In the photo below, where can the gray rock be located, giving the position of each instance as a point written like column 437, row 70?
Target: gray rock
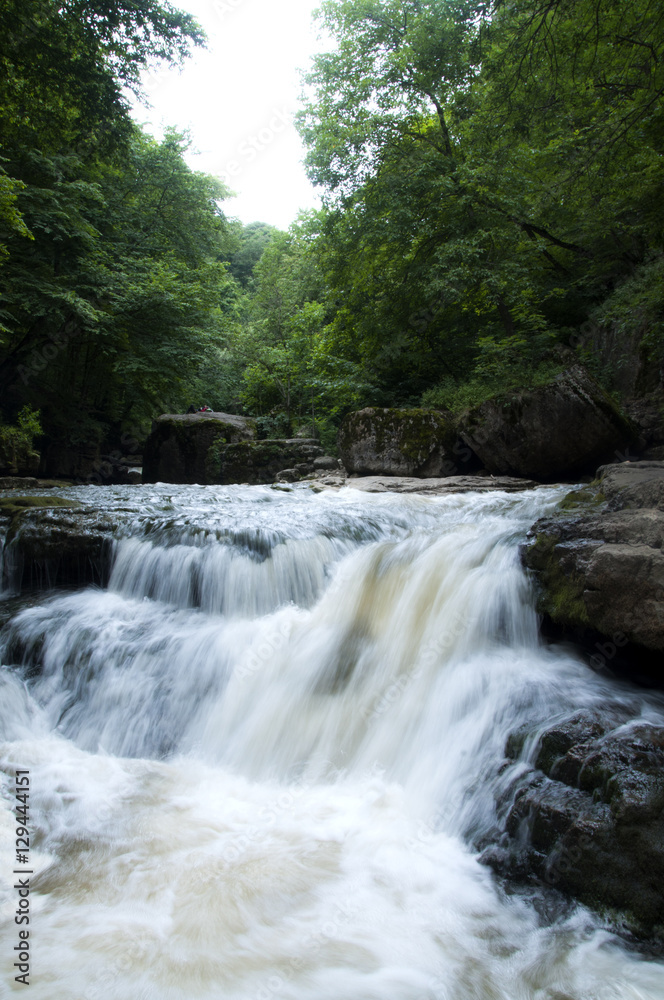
column 324, row 462
column 554, row 431
column 400, row 443
column 600, row 560
column 438, row 487
column 589, row 819
column 288, row 476
column 633, row 485
column 18, row 482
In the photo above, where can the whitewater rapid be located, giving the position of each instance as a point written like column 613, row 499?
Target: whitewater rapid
column 260, row 758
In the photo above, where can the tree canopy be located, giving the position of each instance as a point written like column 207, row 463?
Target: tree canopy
column 492, row 180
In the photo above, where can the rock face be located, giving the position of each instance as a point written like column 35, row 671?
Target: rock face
column 600, row 563
column 421, row 443
column 220, row 448
column 257, row 462
column 177, row 450
column 52, row 541
column 588, row 816
column 553, row 431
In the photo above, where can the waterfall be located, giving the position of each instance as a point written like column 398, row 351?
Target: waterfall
column 262, row 758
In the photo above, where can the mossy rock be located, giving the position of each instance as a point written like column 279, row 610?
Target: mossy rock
column 582, row 499
column 54, row 542
column 257, row 462
column 395, row 442
column 562, row 586
column 16, row 505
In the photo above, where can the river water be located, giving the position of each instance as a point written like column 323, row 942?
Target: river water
column 259, row 759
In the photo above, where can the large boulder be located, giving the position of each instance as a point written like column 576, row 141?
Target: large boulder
column 177, row 450
column 51, row 541
column 421, row 443
column 554, row 431
column 599, row 561
column 587, row 816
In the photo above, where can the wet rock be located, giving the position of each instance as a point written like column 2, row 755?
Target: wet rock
column 600, row 560
column 30, row 483
column 54, row 542
column 588, row 818
column 181, row 447
column 422, row 443
column 554, row 431
column 18, row 482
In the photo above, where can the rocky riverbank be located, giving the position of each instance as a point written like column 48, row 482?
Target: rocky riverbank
column 585, row 816
column 586, row 812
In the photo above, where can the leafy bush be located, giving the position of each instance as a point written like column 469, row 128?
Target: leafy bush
column 16, row 441
column 501, row 366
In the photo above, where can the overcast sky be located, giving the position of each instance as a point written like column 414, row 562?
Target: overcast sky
column 238, row 97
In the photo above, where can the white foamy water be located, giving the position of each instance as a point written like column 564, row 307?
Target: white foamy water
column 259, row 761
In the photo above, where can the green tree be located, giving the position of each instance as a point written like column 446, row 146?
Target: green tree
column 474, row 160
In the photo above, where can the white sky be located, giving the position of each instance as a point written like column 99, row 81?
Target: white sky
column 237, row 99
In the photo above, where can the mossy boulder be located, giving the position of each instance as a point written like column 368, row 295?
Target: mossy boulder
column 559, row 430
column 178, row 447
column 260, row 462
column 421, row 443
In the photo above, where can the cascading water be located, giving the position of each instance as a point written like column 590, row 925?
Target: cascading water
column 259, row 760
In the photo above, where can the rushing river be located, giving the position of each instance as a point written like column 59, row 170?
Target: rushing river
column 260, row 758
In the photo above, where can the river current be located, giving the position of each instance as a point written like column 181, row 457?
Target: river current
column 260, row 758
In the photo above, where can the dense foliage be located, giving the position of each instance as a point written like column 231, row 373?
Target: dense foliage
column 493, row 195
column 112, row 271
column 494, row 180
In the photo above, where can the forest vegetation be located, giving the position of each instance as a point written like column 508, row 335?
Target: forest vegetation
column 493, row 195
